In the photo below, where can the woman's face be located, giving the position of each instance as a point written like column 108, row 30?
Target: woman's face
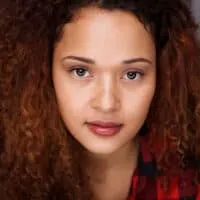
column 104, row 74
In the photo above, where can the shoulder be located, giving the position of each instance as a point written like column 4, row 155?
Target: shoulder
column 147, row 183
column 198, row 192
column 151, row 188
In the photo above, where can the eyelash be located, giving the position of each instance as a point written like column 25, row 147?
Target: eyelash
column 137, row 72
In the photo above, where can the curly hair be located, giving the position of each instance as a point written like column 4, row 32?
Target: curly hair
column 39, row 159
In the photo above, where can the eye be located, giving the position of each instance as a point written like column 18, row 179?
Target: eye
column 80, row 72
column 133, row 75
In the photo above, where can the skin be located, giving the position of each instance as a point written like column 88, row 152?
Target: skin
column 105, row 90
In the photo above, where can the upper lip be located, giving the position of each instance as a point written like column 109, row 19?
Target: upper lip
column 106, row 124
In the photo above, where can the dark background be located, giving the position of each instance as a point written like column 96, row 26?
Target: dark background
column 195, row 6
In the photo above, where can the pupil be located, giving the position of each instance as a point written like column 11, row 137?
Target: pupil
column 131, row 75
column 81, row 72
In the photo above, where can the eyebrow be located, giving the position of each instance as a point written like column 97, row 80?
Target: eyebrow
column 90, row 61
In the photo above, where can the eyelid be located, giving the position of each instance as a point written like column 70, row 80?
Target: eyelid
column 76, row 66
column 134, row 70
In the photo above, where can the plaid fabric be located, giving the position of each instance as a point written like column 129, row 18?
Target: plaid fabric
column 146, row 183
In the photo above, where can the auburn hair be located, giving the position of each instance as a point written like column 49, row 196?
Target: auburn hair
column 39, row 159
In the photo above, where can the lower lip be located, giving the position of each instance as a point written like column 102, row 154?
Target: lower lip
column 104, row 131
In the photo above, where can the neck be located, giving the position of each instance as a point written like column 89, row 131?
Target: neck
column 105, row 165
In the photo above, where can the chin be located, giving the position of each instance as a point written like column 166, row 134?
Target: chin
column 101, row 150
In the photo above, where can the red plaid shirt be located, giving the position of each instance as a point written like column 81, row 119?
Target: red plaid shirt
column 146, row 184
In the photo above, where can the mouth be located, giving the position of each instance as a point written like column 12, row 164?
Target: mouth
column 103, row 128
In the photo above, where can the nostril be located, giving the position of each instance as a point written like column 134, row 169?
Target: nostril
column 106, row 102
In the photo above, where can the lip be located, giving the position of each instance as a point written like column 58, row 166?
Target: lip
column 103, row 128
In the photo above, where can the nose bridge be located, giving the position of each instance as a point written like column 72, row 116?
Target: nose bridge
column 107, row 86
column 107, row 97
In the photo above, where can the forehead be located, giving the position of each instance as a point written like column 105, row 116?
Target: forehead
column 104, row 35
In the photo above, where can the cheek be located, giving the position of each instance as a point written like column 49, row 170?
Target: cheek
column 137, row 103
column 71, row 100
column 136, row 109
column 70, row 107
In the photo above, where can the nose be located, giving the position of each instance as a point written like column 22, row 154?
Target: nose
column 106, row 97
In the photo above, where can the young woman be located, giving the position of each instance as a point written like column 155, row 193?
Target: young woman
column 99, row 100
